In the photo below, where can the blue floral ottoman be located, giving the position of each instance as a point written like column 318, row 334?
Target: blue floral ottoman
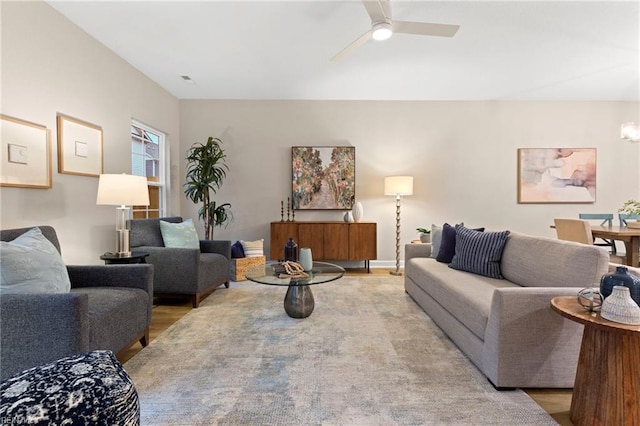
column 85, row 389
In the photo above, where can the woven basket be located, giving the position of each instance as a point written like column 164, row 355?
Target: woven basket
column 240, row 266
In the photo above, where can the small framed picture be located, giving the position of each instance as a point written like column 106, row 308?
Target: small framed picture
column 79, row 147
column 25, row 156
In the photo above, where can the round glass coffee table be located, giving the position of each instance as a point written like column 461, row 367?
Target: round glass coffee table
column 298, row 302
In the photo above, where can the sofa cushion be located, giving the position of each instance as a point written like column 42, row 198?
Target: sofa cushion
column 447, row 244
column 146, row 232
column 465, row 296
column 479, row 252
column 32, row 264
column 533, row 262
column 253, row 248
column 436, row 238
column 180, row 235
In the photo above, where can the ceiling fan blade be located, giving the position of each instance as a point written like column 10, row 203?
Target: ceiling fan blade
column 375, row 9
column 352, row 47
column 425, row 28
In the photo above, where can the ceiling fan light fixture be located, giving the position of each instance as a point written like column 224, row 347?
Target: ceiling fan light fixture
column 381, row 31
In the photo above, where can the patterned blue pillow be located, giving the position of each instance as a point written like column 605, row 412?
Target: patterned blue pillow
column 32, row 264
column 179, row 235
column 479, row 252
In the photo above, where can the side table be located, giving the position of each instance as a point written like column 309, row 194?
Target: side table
column 136, row 257
column 607, row 381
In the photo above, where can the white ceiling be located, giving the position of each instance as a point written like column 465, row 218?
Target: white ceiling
column 530, row 50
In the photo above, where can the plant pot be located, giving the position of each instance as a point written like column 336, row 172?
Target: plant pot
column 425, row 238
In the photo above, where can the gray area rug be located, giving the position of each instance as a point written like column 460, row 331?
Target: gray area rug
column 368, row 355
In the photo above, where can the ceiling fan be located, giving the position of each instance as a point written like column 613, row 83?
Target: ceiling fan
column 383, row 27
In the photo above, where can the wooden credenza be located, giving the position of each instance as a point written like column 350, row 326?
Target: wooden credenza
column 328, row 240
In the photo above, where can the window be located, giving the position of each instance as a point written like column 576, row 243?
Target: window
column 148, row 159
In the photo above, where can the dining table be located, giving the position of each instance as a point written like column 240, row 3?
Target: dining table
column 630, row 236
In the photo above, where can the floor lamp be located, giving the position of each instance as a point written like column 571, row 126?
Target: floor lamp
column 398, row 186
column 122, row 190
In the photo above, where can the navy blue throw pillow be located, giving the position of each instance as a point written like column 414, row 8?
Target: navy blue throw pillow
column 237, row 250
column 479, row 252
column 448, row 242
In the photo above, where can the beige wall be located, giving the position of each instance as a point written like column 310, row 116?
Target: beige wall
column 462, row 155
column 49, row 65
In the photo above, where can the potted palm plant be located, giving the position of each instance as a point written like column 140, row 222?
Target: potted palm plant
column 206, row 170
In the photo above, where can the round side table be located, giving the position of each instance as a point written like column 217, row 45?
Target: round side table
column 608, row 375
column 136, row 257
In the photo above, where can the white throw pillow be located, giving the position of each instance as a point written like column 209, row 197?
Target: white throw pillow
column 253, row 248
column 179, row 235
column 32, row 264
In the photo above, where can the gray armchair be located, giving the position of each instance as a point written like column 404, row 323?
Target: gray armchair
column 181, row 271
column 108, row 307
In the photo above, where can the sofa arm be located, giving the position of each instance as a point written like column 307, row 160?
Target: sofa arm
column 416, row 250
column 132, row 276
column 40, row 328
column 222, row 247
column 527, row 342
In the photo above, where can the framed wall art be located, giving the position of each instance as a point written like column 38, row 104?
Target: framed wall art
column 323, row 177
column 79, row 147
column 556, row 175
column 25, row 154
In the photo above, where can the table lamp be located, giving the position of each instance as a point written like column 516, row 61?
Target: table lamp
column 122, row 190
column 398, row 186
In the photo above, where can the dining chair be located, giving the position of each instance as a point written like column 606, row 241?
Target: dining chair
column 579, row 231
column 606, row 220
column 622, row 217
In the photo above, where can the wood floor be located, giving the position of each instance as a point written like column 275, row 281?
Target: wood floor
column 556, row 402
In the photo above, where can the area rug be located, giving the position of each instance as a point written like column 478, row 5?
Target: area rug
column 367, row 355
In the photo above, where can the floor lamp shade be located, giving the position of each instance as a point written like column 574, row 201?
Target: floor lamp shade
column 398, row 186
column 122, row 190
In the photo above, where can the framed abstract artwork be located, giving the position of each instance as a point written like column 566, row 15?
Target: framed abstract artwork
column 323, row 177
column 556, row 175
column 25, row 156
column 79, row 147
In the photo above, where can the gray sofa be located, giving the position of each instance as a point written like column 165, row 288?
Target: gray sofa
column 109, row 307
column 182, row 271
column 506, row 326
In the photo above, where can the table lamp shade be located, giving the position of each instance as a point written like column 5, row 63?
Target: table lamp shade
column 122, row 190
column 398, row 185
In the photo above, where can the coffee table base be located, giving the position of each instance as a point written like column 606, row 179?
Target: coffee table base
column 298, row 302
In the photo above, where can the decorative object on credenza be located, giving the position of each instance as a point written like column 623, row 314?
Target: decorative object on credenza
column 323, row 177
column 206, row 170
column 79, row 147
column 425, row 235
column 281, row 211
column 556, row 175
column 123, row 191
column 620, row 277
column 291, row 250
column 348, row 216
column 620, row 307
column 25, row 155
column 288, row 205
column 630, row 132
column 357, row 211
column 398, row 186
column 306, row 259
column 590, row 299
